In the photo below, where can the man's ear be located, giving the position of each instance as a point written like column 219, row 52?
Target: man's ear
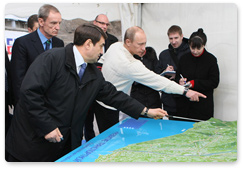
column 29, row 29
column 88, row 43
column 128, row 42
column 41, row 21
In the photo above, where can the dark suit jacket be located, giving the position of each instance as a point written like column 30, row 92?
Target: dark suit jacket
column 8, row 92
column 52, row 96
column 110, row 40
column 24, row 52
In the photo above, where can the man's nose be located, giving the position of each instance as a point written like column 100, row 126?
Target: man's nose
column 143, row 47
column 102, row 51
column 57, row 26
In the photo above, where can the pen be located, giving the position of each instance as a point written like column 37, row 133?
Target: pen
column 182, row 78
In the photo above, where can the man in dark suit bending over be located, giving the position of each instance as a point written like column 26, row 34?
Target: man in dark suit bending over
column 56, row 94
column 28, row 47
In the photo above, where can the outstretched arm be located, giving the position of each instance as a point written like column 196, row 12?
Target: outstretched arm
column 154, row 113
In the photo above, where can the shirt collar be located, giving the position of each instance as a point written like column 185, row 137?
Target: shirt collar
column 42, row 37
column 78, row 58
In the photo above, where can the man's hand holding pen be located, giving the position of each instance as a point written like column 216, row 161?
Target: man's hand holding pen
column 54, row 136
column 192, row 95
column 183, row 82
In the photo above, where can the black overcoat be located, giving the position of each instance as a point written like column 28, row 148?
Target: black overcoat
column 165, row 59
column 144, row 94
column 52, row 96
column 204, row 71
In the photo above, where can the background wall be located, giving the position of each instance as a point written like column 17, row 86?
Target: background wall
column 87, row 11
column 219, row 22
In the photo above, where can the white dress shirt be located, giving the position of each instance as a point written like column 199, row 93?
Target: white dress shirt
column 78, row 58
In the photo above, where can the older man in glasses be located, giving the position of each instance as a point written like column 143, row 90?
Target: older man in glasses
column 103, row 22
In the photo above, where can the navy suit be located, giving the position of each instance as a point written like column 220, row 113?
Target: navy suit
column 25, row 50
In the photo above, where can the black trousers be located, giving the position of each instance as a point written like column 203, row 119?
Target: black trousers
column 105, row 118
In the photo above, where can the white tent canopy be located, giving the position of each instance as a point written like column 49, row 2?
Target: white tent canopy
column 219, row 22
column 87, row 11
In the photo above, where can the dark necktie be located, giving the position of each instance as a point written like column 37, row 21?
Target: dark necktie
column 81, row 71
column 48, row 43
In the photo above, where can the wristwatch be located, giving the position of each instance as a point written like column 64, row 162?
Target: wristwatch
column 146, row 112
column 185, row 91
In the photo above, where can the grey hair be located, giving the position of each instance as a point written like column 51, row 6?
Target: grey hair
column 45, row 10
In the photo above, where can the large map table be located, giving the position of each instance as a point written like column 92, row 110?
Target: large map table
column 147, row 140
column 126, row 132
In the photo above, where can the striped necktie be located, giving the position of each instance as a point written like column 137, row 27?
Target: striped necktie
column 48, row 43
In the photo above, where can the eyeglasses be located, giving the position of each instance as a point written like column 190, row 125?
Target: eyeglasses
column 103, row 23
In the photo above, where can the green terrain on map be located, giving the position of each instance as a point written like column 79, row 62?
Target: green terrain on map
column 208, row 141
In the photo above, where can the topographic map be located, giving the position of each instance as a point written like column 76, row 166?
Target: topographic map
column 208, row 141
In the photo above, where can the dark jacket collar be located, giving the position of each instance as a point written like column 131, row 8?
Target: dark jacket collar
column 36, row 42
column 183, row 47
column 89, row 73
column 70, row 60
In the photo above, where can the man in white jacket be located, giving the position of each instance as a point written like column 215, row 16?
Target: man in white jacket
column 122, row 69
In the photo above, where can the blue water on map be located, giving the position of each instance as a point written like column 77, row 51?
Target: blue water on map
column 126, row 132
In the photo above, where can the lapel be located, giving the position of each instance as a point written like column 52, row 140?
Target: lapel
column 55, row 42
column 37, row 42
column 89, row 73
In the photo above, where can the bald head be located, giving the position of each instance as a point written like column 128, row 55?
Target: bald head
column 135, row 40
column 131, row 32
column 102, row 21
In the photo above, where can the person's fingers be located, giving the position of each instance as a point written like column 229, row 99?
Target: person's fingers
column 58, row 139
column 59, row 136
column 59, row 133
column 165, row 113
column 202, row 95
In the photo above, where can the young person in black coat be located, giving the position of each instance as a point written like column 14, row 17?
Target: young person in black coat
column 200, row 72
column 144, row 94
column 169, row 60
column 54, row 99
